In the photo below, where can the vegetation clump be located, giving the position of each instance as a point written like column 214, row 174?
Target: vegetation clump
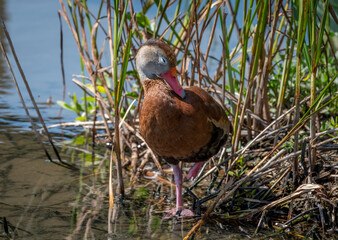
column 271, row 63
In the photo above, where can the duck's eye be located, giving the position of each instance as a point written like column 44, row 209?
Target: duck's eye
column 163, row 60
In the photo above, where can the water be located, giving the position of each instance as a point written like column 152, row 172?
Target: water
column 34, row 29
column 35, row 195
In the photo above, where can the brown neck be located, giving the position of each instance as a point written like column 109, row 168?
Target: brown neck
column 149, row 84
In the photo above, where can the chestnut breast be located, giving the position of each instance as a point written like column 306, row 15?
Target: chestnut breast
column 190, row 129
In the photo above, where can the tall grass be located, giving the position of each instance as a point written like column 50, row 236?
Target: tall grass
column 260, row 74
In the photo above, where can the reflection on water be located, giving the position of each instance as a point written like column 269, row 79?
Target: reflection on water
column 34, row 194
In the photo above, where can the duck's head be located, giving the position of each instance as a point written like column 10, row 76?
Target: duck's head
column 155, row 60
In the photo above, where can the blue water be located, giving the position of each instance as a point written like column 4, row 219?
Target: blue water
column 35, row 32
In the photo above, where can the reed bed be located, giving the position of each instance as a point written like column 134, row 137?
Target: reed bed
column 278, row 81
column 272, row 64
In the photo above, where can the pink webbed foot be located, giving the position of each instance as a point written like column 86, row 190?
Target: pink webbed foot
column 194, row 170
column 182, row 213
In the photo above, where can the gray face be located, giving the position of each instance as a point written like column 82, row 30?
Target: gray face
column 151, row 61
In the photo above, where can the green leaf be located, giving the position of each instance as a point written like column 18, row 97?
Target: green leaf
column 90, row 87
column 142, row 20
column 89, row 99
column 132, row 94
column 79, row 140
column 81, row 118
column 64, row 105
column 121, row 24
column 321, row 33
column 123, row 70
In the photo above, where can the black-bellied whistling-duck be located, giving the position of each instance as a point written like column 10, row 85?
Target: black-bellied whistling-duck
column 180, row 125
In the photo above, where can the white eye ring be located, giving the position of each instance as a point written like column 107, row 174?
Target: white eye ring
column 163, row 60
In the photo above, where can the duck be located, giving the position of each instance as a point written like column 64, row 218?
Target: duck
column 179, row 124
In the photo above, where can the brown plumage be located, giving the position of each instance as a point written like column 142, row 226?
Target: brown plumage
column 185, row 125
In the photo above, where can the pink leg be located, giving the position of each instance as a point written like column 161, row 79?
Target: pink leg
column 194, row 170
column 178, row 182
column 179, row 200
